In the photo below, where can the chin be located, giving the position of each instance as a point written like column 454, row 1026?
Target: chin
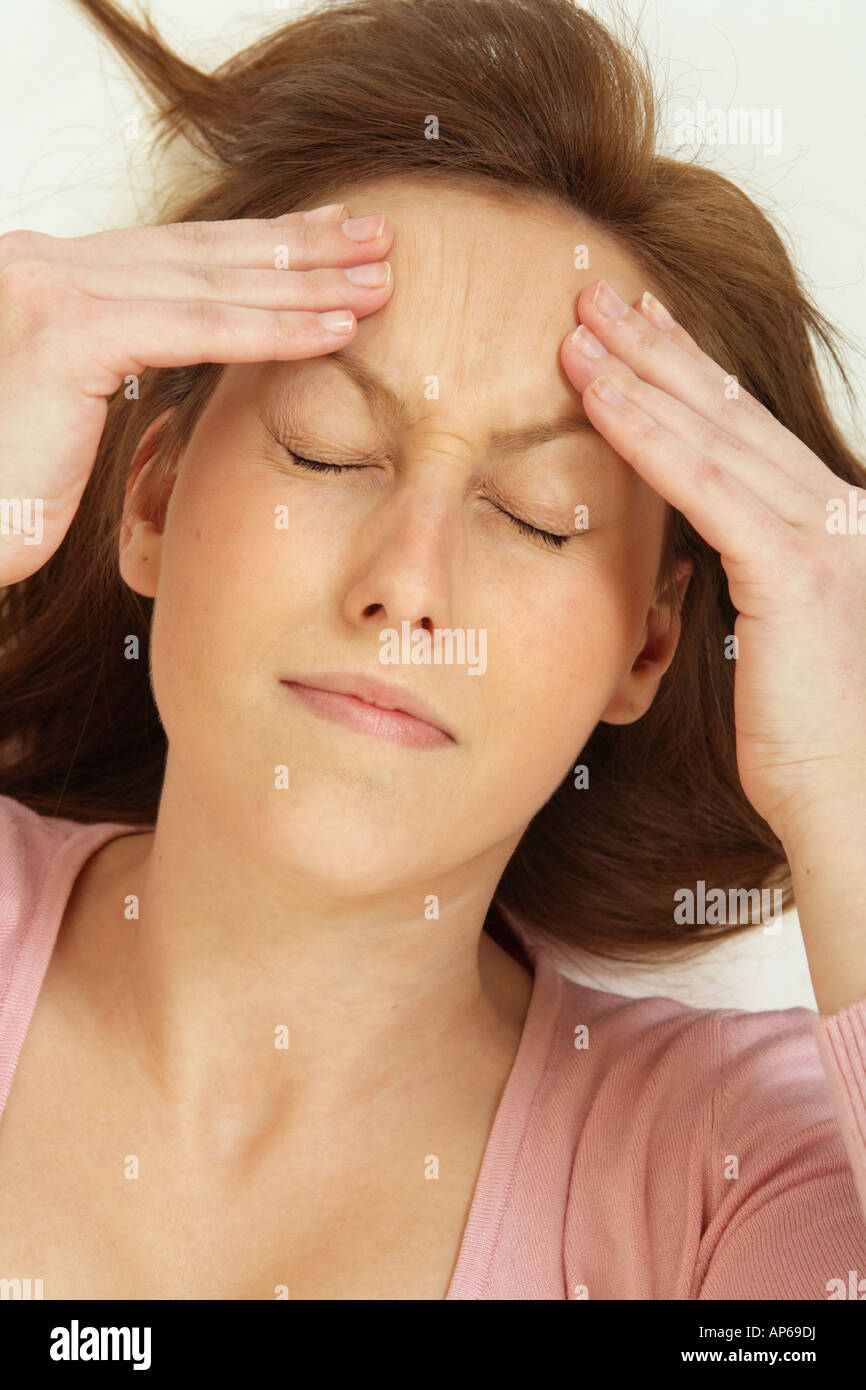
column 345, row 841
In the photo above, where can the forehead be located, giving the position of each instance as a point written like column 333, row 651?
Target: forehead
column 486, row 283
column 478, row 238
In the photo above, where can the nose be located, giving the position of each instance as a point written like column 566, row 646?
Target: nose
column 411, row 563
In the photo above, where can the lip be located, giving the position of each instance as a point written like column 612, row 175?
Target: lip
column 375, row 706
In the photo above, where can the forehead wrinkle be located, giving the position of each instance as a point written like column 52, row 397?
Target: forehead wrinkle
column 503, row 309
column 393, row 407
column 445, row 282
column 436, row 283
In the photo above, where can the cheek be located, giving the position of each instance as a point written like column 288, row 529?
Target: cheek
column 579, row 632
column 217, row 578
column 234, row 553
column 245, row 567
column 565, row 666
column 551, row 686
column 571, row 645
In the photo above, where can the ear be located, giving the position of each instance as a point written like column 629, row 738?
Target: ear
column 637, row 689
column 140, row 544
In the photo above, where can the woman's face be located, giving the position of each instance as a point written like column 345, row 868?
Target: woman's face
column 266, row 572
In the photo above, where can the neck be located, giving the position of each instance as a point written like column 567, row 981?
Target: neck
column 249, row 995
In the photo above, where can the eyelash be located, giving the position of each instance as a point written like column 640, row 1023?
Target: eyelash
column 548, row 538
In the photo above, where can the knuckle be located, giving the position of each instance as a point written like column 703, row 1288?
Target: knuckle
column 654, row 440
column 20, row 243
column 304, row 282
column 709, row 474
column 646, row 338
column 305, row 243
column 288, row 241
column 298, row 329
column 213, row 276
column 307, row 236
column 192, row 236
column 733, row 408
column 205, row 314
column 30, row 292
column 288, row 324
column 678, row 335
column 818, row 575
column 25, row 277
column 714, row 438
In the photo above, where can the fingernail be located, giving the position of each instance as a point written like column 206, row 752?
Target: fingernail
column 364, row 228
column 604, row 387
column 656, row 312
column 608, row 302
column 586, row 342
column 336, row 320
column 372, row 274
column 328, row 212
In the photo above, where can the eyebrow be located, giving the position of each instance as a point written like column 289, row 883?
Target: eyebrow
column 394, row 408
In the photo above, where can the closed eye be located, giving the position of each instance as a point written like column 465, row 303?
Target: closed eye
column 548, row 538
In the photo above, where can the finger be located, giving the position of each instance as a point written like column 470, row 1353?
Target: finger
column 261, row 289
column 775, row 488
column 672, row 362
column 254, row 243
column 131, row 336
column 721, row 507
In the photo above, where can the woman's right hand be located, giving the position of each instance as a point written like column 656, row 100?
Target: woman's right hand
column 80, row 314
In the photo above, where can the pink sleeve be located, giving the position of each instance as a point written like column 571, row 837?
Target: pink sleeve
column 787, row 1186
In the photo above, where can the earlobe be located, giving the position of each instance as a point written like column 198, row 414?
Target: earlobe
column 139, row 557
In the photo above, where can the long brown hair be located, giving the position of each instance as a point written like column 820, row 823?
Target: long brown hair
column 539, row 98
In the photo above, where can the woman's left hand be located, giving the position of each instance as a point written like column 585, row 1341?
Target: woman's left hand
column 760, row 497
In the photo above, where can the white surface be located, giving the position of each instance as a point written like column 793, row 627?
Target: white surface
column 69, row 168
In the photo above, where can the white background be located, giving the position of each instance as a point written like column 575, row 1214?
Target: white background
column 69, row 168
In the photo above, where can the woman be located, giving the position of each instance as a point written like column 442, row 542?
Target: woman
column 283, row 1014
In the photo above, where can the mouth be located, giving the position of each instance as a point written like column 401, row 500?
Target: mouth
column 371, row 707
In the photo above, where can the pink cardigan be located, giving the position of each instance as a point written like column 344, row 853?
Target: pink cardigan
column 683, row 1154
